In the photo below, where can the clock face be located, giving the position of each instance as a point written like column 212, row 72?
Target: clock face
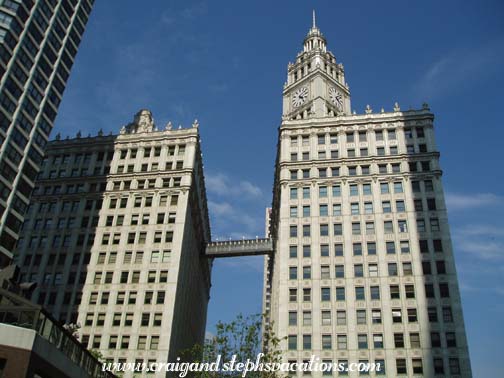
column 336, row 98
column 299, row 97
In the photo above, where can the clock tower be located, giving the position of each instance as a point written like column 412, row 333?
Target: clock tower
column 315, row 86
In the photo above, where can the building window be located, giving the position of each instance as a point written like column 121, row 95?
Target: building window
column 307, row 318
column 386, row 207
column 306, row 230
column 359, row 293
column 326, row 317
column 292, row 318
column 378, row 341
column 325, row 272
column 409, row 291
column 293, row 231
column 429, row 290
column 292, row 295
column 375, row 292
column 307, row 342
column 407, row 268
column 390, row 246
column 454, row 366
column 438, row 366
column 293, row 273
column 340, row 293
column 356, row 228
column 398, row 340
column 325, row 294
column 396, row 315
column 336, row 209
column 415, row 340
column 339, row 271
column 376, row 316
column 358, row 270
column 394, row 292
column 444, row 290
column 306, row 272
column 361, row 317
column 154, row 342
column 292, row 342
column 323, row 210
column 412, row 315
column 342, row 342
column 447, row 314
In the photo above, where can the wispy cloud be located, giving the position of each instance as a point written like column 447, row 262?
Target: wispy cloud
column 235, row 222
column 484, row 242
column 222, row 185
column 459, row 67
column 458, row 201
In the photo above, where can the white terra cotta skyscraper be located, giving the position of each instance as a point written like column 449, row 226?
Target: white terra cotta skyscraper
column 363, row 269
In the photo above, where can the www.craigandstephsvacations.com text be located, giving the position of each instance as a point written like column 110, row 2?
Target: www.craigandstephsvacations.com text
column 314, row 364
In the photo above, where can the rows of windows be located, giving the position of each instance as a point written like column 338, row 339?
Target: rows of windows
column 111, row 257
column 143, row 219
column 359, row 270
column 353, row 190
column 340, row 292
column 401, row 365
column 350, row 153
column 76, row 172
column 336, row 171
column 129, row 298
column 358, row 136
column 135, row 153
column 123, row 319
column 92, row 187
column 142, row 202
column 357, row 228
column 148, row 167
column 356, row 208
column 144, row 342
column 49, row 298
column 305, row 230
column 358, row 249
column 138, row 237
column 59, row 240
column 376, row 340
column 77, row 159
column 126, row 276
column 166, row 182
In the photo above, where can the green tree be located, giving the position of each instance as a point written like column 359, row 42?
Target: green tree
column 241, row 337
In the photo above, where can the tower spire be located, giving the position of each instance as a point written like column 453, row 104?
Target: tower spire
column 314, row 24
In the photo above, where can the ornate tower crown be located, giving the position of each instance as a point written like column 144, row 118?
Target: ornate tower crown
column 314, row 39
column 143, row 122
column 315, row 86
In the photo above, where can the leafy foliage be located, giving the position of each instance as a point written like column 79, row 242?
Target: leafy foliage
column 240, row 337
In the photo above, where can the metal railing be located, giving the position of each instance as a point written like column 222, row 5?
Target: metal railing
column 18, row 312
column 245, row 247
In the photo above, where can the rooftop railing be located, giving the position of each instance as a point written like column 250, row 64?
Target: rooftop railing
column 245, row 247
column 18, row 312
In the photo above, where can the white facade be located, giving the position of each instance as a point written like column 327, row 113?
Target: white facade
column 123, row 241
column 363, row 269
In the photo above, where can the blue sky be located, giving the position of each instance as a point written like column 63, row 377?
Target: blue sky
column 224, row 62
